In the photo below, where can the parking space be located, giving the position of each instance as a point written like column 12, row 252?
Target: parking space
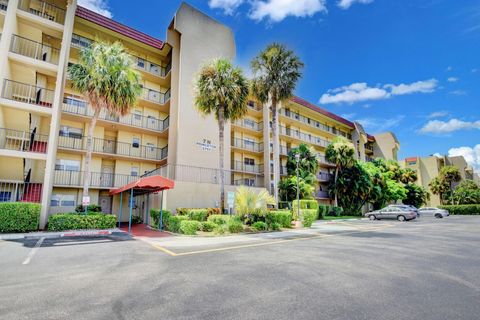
column 425, row 269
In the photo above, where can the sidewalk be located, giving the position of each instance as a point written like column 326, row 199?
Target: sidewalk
column 60, row 234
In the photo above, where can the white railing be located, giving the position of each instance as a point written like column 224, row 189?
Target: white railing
column 43, row 9
column 27, row 93
column 34, row 50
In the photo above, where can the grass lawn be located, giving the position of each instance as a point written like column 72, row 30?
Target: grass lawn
column 342, row 217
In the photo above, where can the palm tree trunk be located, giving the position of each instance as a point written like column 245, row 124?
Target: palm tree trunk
column 335, row 184
column 276, row 151
column 88, row 157
column 221, row 129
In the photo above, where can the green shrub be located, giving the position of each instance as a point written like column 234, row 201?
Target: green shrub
column 190, row 227
column 182, row 211
column 323, row 210
column 69, row 221
column 275, row 226
column 173, row 224
column 208, row 226
column 259, row 226
column 462, row 209
column 137, row 219
column 308, row 216
column 281, row 217
column 335, row 211
column 220, row 229
column 305, row 204
column 198, row 214
column 90, row 208
column 210, row 211
column 19, row 216
column 234, row 226
column 155, row 215
column 219, row 218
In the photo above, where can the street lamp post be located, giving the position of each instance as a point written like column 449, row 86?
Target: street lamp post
column 297, row 160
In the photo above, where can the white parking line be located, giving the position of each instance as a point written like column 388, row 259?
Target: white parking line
column 33, row 251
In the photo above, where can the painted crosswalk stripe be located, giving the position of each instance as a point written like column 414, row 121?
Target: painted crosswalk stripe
column 33, row 251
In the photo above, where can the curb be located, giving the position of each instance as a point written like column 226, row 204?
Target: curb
column 48, row 235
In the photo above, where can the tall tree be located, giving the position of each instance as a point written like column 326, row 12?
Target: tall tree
column 467, row 192
column 439, row 187
column 106, row 78
column 340, row 152
column 276, row 71
column 308, row 163
column 450, row 174
column 408, row 175
column 221, row 90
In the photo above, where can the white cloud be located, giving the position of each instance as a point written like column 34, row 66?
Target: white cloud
column 426, row 86
column 471, row 155
column 277, row 10
column 376, row 125
column 452, row 79
column 360, row 91
column 438, row 155
column 98, row 6
column 445, row 127
column 438, row 114
column 348, row 115
column 345, row 4
column 228, row 6
column 458, row 92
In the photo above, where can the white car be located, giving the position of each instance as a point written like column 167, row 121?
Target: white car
column 436, row 212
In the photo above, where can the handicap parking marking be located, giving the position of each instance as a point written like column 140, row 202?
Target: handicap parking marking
column 34, row 250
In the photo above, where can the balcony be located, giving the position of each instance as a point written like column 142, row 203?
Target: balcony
column 114, row 147
column 43, row 10
column 283, row 170
column 323, row 176
column 3, row 5
column 79, row 107
column 369, row 147
column 23, row 141
column 20, row 191
column 252, row 105
column 249, row 182
column 27, row 93
column 249, row 124
column 34, row 50
column 297, row 134
column 247, row 168
column 80, row 42
column 321, row 195
column 323, row 160
column 97, row 179
column 155, row 96
column 247, row 145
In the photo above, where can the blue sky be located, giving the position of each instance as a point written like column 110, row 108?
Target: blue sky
column 410, row 66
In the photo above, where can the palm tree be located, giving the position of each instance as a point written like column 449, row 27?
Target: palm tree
column 104, row 75
column 308, row 161
column 276, row 71
column 249, row 203
column 340, row 152
column 438, row 187
column 221, row 90
column 408, row 175
column 450, row 174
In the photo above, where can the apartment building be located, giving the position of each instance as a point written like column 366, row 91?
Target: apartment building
column 428, row 168
column 43, row 122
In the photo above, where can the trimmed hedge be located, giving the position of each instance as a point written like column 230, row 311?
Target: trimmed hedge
column 198, row 214
column 309, row 215
column 305, row 204
column 281, row 217
column 210, row 211
column 208, row 226
column 462, row 209
column 19, row 216
column 155, row 215
column 90, row 208
column 75, row 221
column 174, row 223
column 189, row 227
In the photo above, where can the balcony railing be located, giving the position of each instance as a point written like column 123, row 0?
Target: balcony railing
column 3, row 5
column 114, row 147
column 241, row 166
column 297, row 134
column 249, row 182
column 247, row 145
column 323, row 176
column 283, row 170
column 249, row 124
column 27, row 93
column 254, row 106
column 156, row 96
column 322, row 195
column 80, row 42
column 43, row 9
column 323, row 160
column 34, row 50
column 80, row 107
column 97, row 179
column 23, row 141
column 19, row 191
column 369, row 147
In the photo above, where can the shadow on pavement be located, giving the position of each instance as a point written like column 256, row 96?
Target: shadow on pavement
column 30, row 242
column 373, row 234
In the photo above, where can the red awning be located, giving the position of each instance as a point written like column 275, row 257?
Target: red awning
column 146, row 185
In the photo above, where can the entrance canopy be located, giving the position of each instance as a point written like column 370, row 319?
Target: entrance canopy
column 145, row 185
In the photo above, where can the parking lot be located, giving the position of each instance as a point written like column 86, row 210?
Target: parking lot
column 425, row 269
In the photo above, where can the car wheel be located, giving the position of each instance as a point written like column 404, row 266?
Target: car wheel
column 401, row 218
column 372, row 217
column 438, row 216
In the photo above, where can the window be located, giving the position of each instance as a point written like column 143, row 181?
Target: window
column 249, row 123
column 141, row 63
column 154, row 68
column 74, row 101
column 249, row 143
column 62, row 200
column 249, row 161
column 136, row 142
column 134, row 171
column 249, row 182
column 5, row 196
column 70, row 132
column 137, row 114
column 67, row 165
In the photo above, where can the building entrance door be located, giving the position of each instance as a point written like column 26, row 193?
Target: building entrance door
column 105, row 203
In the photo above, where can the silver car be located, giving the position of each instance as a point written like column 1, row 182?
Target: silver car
column 435, row 212
column 392, row 212
column 406, row 206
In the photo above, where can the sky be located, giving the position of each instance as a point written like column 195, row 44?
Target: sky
column 411, row 67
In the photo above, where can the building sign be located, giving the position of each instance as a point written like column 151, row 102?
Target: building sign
column 206, row 145
column 230, row 199
column 85, row 201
